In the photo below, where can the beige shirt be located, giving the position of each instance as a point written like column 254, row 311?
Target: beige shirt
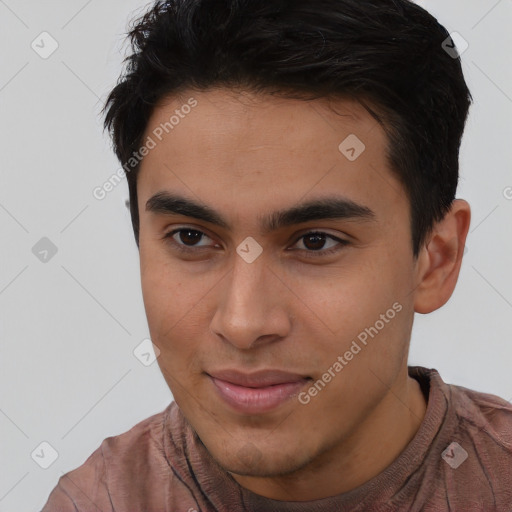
column 459, row 460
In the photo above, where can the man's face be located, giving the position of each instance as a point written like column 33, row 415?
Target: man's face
column 219, row 304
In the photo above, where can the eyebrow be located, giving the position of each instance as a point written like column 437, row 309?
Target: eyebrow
column 332, row 207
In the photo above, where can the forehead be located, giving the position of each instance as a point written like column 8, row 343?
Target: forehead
column 243, row 119
column 240, row 148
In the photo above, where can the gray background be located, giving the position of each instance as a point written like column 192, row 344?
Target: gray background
column 69, row 324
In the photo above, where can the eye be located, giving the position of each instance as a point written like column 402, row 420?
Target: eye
column 186, row 239
column 314, row 243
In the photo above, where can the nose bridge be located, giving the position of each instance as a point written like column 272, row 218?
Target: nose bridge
column 246, row 308
column 245, row 287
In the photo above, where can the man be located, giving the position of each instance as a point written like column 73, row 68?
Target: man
column 292, row 168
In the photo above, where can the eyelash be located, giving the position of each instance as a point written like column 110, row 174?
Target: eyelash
column 308, row 253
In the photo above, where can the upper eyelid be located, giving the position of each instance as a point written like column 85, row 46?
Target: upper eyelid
column 183, row 228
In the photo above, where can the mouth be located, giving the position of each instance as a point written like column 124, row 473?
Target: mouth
column 258, row 392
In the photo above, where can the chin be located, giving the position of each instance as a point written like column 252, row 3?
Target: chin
column 249, row 460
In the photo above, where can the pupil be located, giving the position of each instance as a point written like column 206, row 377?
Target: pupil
column 320, row 241
column 192, row 239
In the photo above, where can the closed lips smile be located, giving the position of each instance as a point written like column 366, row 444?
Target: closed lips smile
column 258, row 392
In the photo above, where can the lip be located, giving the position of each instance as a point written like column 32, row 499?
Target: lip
column 256, row 392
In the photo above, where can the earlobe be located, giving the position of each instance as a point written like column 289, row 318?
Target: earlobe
column 440, row 259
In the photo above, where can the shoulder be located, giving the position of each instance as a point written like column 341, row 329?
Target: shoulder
column 137, row 446
column 477, row 456
column 465, row 461
column 468, row 412
column 484, row 415
column 119, row 461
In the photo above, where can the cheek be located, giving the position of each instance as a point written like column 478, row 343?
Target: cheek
column 159, row 290
column 165, row 294
column 347, row 305
column 176, row 304
column 172, row 312
column 342, row 301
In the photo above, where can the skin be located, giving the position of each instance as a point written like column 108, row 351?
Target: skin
column 246, row 155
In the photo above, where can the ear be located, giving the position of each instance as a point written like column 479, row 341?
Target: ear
column 440, row 258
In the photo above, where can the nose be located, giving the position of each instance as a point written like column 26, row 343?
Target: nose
column 252, row 306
